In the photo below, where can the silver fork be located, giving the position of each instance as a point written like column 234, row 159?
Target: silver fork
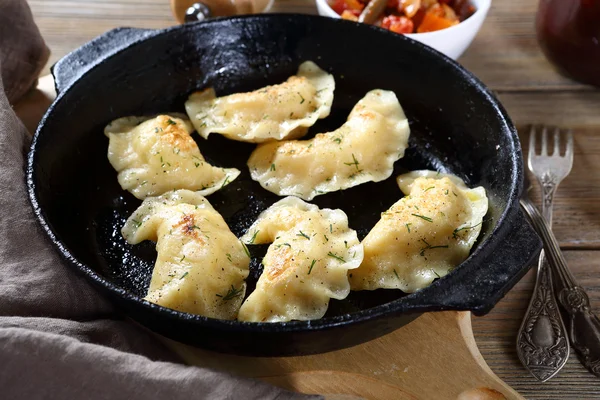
column 542, row 342
column 583, row 324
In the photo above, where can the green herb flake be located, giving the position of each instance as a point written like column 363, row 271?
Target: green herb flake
column 464, row 228
column 337, row 140
column 254, row 236
column 246, row 249
column 429, row 188
column 354, row 162
column 225, row 182
column 229, row 257
column 436, row 274
column 231, row 294
column 182, row 258
column 430, row 247
column 311, row 266
column 184, row 275
column 171, row 122
column 396, row 273
column 408, row 227
column 304, row 235
column 273, row 167
column 136, row 223
column 330, row 254
column 303, row 100
column 326, row 238
column 330, row 228
column 423, row 217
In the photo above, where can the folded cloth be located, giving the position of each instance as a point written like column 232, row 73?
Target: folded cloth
column 58, row 337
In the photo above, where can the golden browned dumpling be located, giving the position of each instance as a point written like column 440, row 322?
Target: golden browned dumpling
column 307, row 263
column 423, row 235
column 364, row 149
column 277, row 112
column 153, row 156
column 201, row 266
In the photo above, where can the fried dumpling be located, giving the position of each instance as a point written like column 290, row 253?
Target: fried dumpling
column 423, row 235
column 306, row 264
column 283, row 111
column 364, row 149
column 153, row 156
column 201, row 266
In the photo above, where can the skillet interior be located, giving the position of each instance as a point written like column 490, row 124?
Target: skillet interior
column 456, row 127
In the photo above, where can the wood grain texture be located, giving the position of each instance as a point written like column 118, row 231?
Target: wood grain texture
column 419, row 361
column 505, row 54
column 506, row 57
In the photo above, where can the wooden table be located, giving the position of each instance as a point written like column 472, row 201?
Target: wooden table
column 506, row 57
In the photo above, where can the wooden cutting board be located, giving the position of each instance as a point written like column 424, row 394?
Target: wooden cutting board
column 435, row 357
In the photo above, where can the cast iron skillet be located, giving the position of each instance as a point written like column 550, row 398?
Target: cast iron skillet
column 457, row 126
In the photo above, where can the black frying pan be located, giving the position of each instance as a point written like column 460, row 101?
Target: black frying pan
column 457, row 126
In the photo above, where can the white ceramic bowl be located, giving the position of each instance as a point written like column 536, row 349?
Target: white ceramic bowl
column 451, row 41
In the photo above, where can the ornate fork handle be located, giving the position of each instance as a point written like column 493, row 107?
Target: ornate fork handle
column 583, row 324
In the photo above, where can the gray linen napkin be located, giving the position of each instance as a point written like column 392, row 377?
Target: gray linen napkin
column 59, row 339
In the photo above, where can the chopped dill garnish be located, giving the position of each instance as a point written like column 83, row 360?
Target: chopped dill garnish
column 171, row 122
column 429, row 188
column 354, row 162
column 337, row 140
column 457, row 230
column 231, row 293
column 422, row 217
column 395, row 273
column 228, row 257
column 326, row 238
column 184, row 275
column 136, row 223
column 429, row 247
column 225, row 182
column 246, row 249
column 330, row 254
column 408, row 227
column 273, row 167
column 304, row 235
column 311, row 266
column 254, row 236
column 302, row 101
column 436, row 274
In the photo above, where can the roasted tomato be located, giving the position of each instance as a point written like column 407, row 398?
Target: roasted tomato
column 398, row 24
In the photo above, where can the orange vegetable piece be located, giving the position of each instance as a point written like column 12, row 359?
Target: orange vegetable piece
column 432, row 22
column 355, row 5
column 349, row 15
column 398, row 24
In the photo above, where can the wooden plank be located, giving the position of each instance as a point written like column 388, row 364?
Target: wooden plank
column 496, row 336
column 433, row 357
column 505, row 54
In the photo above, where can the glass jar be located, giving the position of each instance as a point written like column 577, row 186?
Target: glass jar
column 569, row 35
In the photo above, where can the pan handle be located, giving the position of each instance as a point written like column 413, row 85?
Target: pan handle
column 479, row 291
column 69, row 68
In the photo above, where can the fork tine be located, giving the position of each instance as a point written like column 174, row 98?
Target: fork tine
column 556, row 151
column 532, row 139
column 569, row 151
column 544, row 141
